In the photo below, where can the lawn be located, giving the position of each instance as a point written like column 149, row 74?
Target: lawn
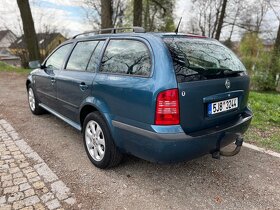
column 265, row 126
column 7, row 68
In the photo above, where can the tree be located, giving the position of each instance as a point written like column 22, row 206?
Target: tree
column 221, row 20
column 205, row 17
column 93, row 12
column 236, row 7
column 158, row 15
column 106, row 14
column 211, row 17
column 252, row 18
column 137, row 12
column 29, row 30
column 275, row 61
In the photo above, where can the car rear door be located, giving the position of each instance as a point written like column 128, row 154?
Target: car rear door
column 74, row 82
column 45, row 79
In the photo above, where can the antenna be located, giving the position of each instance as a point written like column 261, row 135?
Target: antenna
column 177, row 29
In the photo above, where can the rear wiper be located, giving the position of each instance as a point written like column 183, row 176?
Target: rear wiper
column 231, row 72
column 223, row 71
column 190, row 77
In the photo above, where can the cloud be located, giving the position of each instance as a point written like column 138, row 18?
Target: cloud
column 63, row 15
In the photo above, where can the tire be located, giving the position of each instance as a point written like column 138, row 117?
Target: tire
column 98, row 142
column 33, row 101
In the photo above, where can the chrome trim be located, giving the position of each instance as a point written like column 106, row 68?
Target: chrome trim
column 65, row 119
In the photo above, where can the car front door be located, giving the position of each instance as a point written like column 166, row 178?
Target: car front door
column 74, row 82
column 45, row 79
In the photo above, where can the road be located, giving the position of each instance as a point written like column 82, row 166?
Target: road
column 250, row 180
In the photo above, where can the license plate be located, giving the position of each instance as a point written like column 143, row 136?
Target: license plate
column 222, row 106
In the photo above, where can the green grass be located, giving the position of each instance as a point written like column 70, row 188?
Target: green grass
column 265, row 127
column 7, row 68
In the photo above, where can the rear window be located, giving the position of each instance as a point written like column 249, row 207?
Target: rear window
column 204, row 57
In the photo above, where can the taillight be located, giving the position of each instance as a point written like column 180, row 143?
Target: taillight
column 167, row 108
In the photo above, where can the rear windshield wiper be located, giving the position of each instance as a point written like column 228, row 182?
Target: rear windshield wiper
column 231, row 72
column 202, row 73
column 223, row 71
column 198, row 75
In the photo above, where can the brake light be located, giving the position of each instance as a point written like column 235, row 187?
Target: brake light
column 167, row 108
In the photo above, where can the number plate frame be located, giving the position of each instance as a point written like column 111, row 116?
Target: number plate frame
column 222, row 106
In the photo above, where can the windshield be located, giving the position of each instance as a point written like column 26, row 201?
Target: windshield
column 202, row 56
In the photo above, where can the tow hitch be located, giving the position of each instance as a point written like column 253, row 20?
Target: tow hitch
column 218, row 153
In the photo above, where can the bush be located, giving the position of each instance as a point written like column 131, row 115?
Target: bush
column 260, row 64
column 263, row 81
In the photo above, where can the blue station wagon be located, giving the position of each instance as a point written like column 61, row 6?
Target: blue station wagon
column 162, row 97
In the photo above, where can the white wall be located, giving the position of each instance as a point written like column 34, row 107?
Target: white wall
column 7, row 40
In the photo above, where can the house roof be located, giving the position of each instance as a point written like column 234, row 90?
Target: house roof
column 4, row 33
column 44, row 39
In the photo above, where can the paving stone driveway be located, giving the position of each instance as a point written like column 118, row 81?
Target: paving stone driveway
column 26, row 180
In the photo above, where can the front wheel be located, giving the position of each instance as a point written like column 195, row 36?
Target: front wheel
column 33, row 101
column 98, row 142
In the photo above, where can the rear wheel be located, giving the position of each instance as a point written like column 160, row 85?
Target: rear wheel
column 33, row 101
column 98, row 142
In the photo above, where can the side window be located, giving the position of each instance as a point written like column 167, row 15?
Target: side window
column 55, row 61
column 126, row 57
column 93, row 63
column 80, row 56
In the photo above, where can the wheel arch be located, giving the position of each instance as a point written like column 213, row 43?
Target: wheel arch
column 28, row 81
column 89, row 107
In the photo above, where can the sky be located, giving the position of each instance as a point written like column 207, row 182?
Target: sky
column 68, row 16
column 66, row 13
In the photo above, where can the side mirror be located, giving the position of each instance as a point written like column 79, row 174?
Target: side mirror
column 34, row 64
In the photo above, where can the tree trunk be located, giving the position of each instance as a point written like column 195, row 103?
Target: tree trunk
column 277, row 41
column 106, row 14
column 277, row 50
column 147, row 15
column 274, row 60
column 29, row 30
column 221, row 20
column 137, row 12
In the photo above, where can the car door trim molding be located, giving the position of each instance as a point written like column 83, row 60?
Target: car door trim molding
column 65, row 119
column 39, row 91
column 70, row 104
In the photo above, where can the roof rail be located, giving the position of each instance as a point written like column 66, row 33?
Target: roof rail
column 135, row 29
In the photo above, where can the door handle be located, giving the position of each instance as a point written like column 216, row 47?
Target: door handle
column 83, row 86
column 52, row 80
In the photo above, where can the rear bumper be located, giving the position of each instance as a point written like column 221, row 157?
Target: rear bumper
column 174, row 147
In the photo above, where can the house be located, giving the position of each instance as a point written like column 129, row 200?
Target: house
column 6, row 38
column 7, row 57
column 47, row 42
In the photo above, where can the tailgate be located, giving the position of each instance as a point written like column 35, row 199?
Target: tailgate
column 195, row 97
